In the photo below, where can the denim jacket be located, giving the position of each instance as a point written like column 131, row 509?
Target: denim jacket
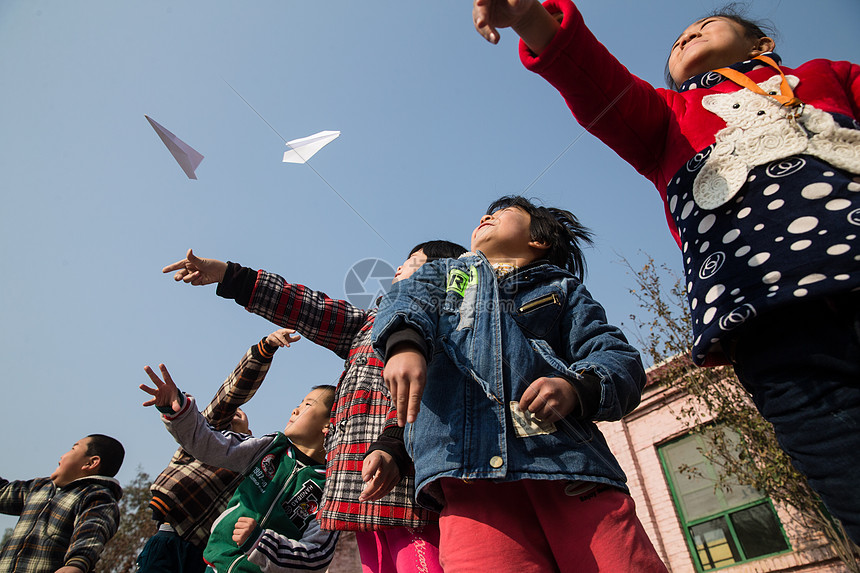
column 487, row 340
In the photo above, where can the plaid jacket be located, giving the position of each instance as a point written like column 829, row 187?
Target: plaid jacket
column 362, row 408
column 189, row 494
column 58, row 526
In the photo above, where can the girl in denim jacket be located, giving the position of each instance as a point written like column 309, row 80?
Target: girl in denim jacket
column 519, row 363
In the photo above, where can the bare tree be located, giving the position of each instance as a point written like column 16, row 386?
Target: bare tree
column 742, row 445
column 135, row 528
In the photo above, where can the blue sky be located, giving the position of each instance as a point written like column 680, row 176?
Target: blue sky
column 435, row 122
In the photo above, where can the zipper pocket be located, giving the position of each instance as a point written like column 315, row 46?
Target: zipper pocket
column 540, row 303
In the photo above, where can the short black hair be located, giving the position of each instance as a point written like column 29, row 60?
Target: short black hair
column 329, row 394
column 439, row 250
column 110, row 452
column 736, row 12
column 559, row 228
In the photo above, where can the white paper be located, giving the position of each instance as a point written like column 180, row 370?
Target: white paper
column 302, row 149
column 185, row 155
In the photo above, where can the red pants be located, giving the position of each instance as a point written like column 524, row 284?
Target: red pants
column 534, row 526
column 400, row 550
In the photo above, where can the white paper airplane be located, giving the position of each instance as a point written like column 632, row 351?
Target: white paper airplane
column 300, row 150
column 185, row 155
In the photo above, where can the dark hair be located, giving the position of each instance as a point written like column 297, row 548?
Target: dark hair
column 559, row 228
column 439, row 250
column 110, row 452
column 329, row 394
column 736, row 12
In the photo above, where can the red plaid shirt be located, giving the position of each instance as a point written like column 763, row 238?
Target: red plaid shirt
column 362, row 408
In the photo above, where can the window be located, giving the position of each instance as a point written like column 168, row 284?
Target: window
column 722, row 527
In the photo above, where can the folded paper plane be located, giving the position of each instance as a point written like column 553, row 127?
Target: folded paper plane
column 300, row 150
column 185, row 155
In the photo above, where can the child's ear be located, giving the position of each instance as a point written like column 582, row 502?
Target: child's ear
column 541, row 245
column 762, row 45
column 325, row 429
column 93, row 465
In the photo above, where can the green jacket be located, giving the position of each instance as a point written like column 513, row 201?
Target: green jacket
column 282, row 491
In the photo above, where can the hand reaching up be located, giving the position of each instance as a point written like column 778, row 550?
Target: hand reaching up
column 528, row 18
column 282, row 337
column 165, row 393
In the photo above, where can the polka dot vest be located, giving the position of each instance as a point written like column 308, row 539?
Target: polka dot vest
column 789, row 234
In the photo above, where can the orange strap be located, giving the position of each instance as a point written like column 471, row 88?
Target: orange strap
column 786, row 98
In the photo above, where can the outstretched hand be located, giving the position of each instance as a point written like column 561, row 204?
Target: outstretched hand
column 405, row 373
column 165, row 393
column 196, row 271
column 528, row 18
column 549, row 399
column 283, row 337
column 380, row 474
column 489, row 15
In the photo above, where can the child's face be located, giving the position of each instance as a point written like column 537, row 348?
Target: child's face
column 309, row 419
column 72, row 463
column 505, row 234
column 239, row 423
column 709, row 44
column 409, row 266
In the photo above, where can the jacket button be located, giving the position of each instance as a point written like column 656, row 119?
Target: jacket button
column 497, row 461
column 361, row 361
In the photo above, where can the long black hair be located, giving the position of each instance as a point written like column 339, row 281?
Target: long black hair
column 559, row 228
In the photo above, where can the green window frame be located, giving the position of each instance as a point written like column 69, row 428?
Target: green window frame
column 722, row 527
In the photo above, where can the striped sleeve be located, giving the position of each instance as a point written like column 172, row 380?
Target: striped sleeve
column 240, row 386
column 276, row 553
column 328, row 322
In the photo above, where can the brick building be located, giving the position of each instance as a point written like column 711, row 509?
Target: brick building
column 693, row 527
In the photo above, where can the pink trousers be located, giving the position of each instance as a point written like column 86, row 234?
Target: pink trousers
column 541, row 527
column 400, row 550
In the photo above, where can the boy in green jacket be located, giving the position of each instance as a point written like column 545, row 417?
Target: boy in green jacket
column 270, row 523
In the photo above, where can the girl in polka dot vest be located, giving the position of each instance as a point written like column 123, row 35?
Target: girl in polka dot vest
column 758, row 168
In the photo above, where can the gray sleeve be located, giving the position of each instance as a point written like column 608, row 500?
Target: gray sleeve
column 225, row 449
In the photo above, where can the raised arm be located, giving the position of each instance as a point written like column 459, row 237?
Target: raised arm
column 192, row 432
column 13, row 495
column 404, row 332
column 246, row 378
column 95, row 525
column 330, row 323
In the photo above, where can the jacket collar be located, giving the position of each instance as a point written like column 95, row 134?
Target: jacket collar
column 710, row 79
column 110, row 483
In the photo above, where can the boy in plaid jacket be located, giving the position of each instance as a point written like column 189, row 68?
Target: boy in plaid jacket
column 66, row 519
